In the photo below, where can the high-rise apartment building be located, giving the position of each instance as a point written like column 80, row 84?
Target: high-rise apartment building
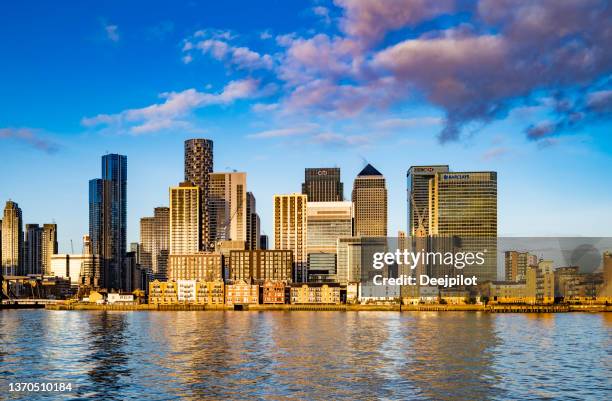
column 155, row 243
column 227, row 205
column 516, row 264
column 418, row 196
column 12, row 240
column 198, row 167
column 185, row 227
column 463, row 209
column 370, row 199
column 49, row 246
column 108, row 218
column 202, row 266
column 261, row 265
column 32, row 249
column 323, row 185
column 326, row 222
column 290, row 230
column 253, row 223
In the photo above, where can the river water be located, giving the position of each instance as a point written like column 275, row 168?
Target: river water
column 307, row 355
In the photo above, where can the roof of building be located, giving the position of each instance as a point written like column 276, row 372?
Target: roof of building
column 369, row 170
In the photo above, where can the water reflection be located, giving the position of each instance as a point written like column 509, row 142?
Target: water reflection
column 309, row 355
column 106, row 358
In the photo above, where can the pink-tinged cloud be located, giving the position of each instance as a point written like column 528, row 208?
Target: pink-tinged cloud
column 297, row 130
column 30, row 137
column 370, row 20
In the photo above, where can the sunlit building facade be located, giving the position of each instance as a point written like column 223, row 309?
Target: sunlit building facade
column 290, row 230
column 185, row 219
column 202, row 266
column 463, row 217
column 370, row 200
column 227, row 204
column 12, row 240
column 261, row 265
column 323, row 184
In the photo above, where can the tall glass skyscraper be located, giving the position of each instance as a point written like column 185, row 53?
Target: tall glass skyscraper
column 370, row 199
column 12, row 240
column 418, row 197
column 108, row 218
column 323, row 185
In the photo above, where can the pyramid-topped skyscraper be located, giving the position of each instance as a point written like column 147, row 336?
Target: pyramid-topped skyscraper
column 370, row 199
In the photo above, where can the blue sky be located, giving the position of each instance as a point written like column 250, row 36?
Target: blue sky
column 523, row 89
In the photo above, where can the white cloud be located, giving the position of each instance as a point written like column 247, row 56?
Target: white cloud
column 112, row 32
column 177, row 105
column 285, row 132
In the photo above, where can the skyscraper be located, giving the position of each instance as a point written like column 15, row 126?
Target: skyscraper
column 32, row 249
column 370, row 199
column 198, row 167
column 418, row 196
column 326, row 222
column 12, row 240
column 290, row 230
column 155, row 243
column 108, row 218
column 227, row 205
column 49, row 246
column 323, row 184
column 463, row 210
column 185, row 227
column 253, row 223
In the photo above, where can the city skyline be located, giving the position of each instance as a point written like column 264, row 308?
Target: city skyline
column 139, row 85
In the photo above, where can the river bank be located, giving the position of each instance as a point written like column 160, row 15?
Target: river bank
column 343, row 308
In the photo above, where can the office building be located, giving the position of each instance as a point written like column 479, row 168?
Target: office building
column 75, row 267
column 185, row 227
column 463, row 217
column 323, row 185
column 370, row 200
column 290, row 230
column 261, row 265
column 108, row 218
column 154, row 244
column 418, row 196
column 49, row 245
column 605, row 293
column 253, row 223
column 326, row 222
column 12, row 240
column 32, row 245
column 198, row 167
column 227, row 205
column 91, row 273
column 348, row 260
column 202, row 266
column 263, row 241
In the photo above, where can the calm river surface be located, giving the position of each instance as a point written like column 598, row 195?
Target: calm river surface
column 308, row 355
